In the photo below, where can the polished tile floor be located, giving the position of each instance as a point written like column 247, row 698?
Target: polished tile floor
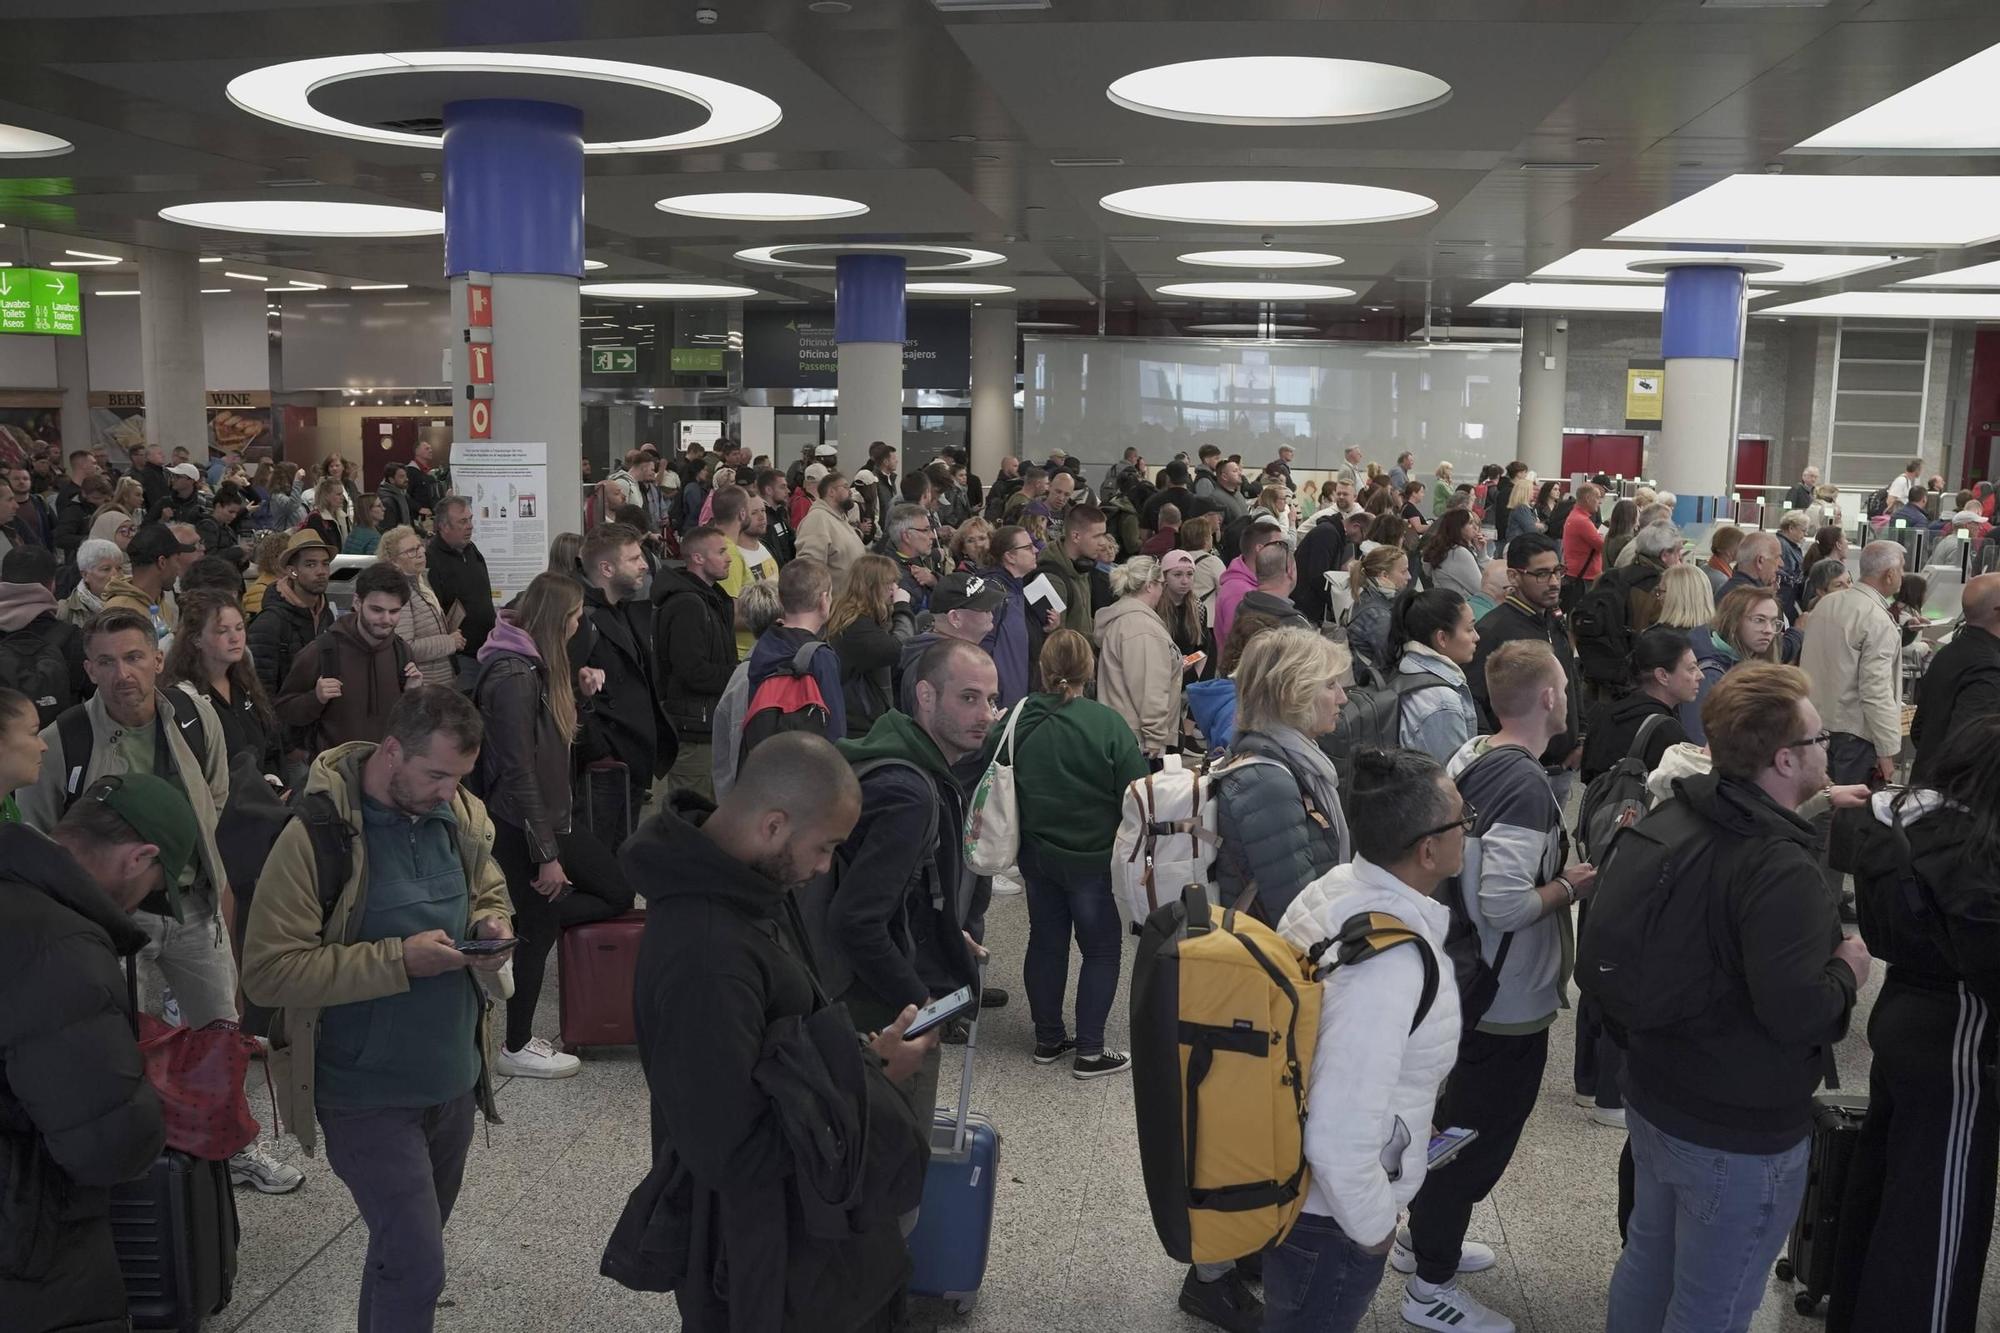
column 1073, row 1249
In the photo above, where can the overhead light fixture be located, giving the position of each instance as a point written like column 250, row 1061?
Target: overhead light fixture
column 124, row 291
column 283, row 93
column 1869, row 212
column 665, row 291
column 956, row 288
column 1896, row 305
column 1559, row 168
column 1086, row 161
column 247, row 277
column 211, row 259
column 981, row 6
column 1278, row 90
column 1262, row 259
column 1265, row 330
column 1255, row 291
column 307, row 217
column 1041, row 325
column 1794, row 267
column 1950, row 112
column 217, row 291
column 1624, row 298
column 762, row 207
column 956, row 257
column 1268, row 203
column 294, row 285
column 592, row 265
column 84, row 259
column 378, row 286
column 1979, row 275
column 20, row 141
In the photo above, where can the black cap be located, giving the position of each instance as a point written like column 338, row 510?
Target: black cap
column 154, row 543
column 968, row 592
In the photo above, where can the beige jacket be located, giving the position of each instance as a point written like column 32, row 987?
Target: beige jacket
column 826, row 536
column 298, row 964
column 1139, row 671
column 422, row 627
column 1854, row 654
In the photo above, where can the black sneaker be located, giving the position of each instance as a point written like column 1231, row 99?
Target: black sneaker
column 992, row 998
column 1097, row 1066
column 1226, row 1303
column 1048, row 1055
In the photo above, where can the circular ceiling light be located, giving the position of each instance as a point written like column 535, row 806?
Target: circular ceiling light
column 1278, row 90
column 18, row 141
column 307, row 217
column 1268, row 203
column 665, row 291
column 284, row 93
column 1262, row 259
column 787, row 256
column 753, row 207
column 956, row 288
column 592, row 265
column 1256, row 291
column 1260, row 330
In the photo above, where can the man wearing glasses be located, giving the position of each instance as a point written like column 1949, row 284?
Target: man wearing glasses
column 1517, row 894
column 1016, row 638
column 1853, row 652
column 1534, row 591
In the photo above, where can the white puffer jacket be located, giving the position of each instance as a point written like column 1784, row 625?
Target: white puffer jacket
column 1374, row 1081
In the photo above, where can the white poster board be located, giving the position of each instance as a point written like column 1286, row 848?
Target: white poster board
column 508, row 487
column 708, row 432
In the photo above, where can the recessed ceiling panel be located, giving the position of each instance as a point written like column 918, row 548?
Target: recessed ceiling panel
column 1278, row 90
column 1953, row 111
column 1896, row 305
column 1897, row 212
column 1977, row 275
column 1607, row 265
column 1581, row 296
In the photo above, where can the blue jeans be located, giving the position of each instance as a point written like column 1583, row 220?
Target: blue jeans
column 1062, row 899
column 1706, row 1227
column 1319, row 1280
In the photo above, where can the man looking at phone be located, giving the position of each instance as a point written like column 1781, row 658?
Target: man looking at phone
column 381, row 1029
column 722, row 964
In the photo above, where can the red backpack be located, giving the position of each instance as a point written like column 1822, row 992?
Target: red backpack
column 789, row 699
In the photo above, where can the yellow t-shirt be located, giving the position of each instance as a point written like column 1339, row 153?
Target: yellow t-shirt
column 747, row 565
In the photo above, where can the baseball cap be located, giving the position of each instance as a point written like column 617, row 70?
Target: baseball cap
column 1177, row 560
column 968, row 592
column 188, row 470
column 831, row 452
column 155, row 542
column 305, row 539
column 157, row 812
column 814, row 471
column 1968, row 516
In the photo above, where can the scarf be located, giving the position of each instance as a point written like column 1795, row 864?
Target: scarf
column 1317, row 771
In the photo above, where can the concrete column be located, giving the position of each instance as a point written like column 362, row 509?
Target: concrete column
column 170, row 355
column 73, row 374
column 1701, row 340
column 513, row 203
column 1544, row 383
column 868, row 330
column 995, row 340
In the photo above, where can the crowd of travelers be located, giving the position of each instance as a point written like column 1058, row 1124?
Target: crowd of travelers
column 772, row 702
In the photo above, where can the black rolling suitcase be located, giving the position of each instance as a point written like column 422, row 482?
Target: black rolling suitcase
column 175, row 1231
column 1809, row 1256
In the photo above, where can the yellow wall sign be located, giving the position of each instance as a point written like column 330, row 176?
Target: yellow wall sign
column 1645, row 390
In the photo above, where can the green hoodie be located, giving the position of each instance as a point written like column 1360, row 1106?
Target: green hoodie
column 897, row 736
column 1072, row 763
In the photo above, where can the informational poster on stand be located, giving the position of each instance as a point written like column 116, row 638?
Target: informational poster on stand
column 706, row 433
column 508, row 486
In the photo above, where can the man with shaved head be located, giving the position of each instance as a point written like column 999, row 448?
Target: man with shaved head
column 1963, row 682
column 722, row 968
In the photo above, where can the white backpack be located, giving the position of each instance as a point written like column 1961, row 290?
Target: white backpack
column 1167, row 837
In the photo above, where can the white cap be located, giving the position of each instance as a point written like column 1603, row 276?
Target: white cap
column 814, row 471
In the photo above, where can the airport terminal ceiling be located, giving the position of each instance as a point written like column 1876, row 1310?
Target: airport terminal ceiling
column 998, row 127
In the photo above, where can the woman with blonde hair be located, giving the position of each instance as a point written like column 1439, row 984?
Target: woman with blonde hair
column 127, row 494
column 330, row 514
column 1441, row 492
column 558, row 876
column 972, row 546
column 1280, row 823
column 1520, row 516
column 1139, row 665
column 565, row 552
column 870, row 622
column 433, row 640
column 1375, row 581
column 1197, row 537
column 1078, row 757
column 1687, row 601
column 1275, row 501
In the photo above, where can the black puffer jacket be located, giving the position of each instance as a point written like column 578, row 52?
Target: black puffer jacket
column 76, row 1113
column 1514, row 619
column 694, row 634
column 622, row 720
column 1927, row 909
column 279, row 632
column 459, row 578
column 524, row 772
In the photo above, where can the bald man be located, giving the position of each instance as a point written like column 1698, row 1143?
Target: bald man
column 1963, row 682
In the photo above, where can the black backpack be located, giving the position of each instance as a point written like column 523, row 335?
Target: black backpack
column 789, row 699
column 816, row 897
column 1372, row 719
column 33, row 660
column 74, row 730
column 1877, row 503
column 1647, row 952
column 1601, row 625
column 1616, row 797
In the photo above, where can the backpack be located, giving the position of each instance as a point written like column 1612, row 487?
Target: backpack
column 1877, row 503
column 1646, row 953
column 1372, row 719
column 1167, row 837
column 1617, row 796
column 1225, row 1017
column 789, row 699
column 1602, row 629
column 35, row 663
column 1478, row 980
column 327, row 647
column 74, row 730
column 816, row 898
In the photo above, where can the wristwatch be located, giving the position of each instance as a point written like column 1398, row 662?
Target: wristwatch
column 1569, row 889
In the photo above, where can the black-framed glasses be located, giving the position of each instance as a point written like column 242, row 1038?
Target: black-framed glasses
column 1465, row 823
column 1818, row 738
column 1553, row 572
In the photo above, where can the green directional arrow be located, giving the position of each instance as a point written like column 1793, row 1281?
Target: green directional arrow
column 614, row 360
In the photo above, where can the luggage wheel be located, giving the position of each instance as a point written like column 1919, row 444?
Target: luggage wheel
column 963, row 1304
column 1805, row 1303
column 1784, row 1269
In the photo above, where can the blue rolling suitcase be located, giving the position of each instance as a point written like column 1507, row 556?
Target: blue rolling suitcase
column 955, row 1224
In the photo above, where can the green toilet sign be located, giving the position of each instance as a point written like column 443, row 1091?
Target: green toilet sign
column 614, row 360
column 39, row 300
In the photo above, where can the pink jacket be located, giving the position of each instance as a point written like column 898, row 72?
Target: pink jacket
column 1237, row 582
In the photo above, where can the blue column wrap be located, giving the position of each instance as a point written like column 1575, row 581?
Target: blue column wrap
column 1704, row 313
column 513, row 188
column 868, row 298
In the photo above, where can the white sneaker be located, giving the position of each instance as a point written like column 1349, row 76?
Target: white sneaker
column 1472, row 1256
column 1611, row 1117
column 1584, row 1098
column 1008, row 883
column 264, row 1173
column 1452, row 1310
column 538, row 1059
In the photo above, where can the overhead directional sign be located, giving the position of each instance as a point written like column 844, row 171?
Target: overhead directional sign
column 614, row 360
column 38, row 300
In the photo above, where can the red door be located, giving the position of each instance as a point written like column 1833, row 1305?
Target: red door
column 1576, row 454
column 1752, row 455
column 386, row 440
column 1618, row 455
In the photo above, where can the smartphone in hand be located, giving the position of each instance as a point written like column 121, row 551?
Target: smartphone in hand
column 486, row 946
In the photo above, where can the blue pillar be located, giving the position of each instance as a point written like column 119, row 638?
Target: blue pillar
column 868, row 328
column 513, row 214
column 1701, row 341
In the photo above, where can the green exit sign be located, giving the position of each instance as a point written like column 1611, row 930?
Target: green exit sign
column 39, row 300
column 698, row 359
column 614, row 360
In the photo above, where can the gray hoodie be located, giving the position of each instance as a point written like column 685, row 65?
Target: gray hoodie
column 1515, row 848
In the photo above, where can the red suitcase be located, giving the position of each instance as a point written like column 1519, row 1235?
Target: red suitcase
column 597, row 964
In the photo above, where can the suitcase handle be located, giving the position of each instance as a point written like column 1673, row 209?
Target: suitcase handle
column 965, row 1073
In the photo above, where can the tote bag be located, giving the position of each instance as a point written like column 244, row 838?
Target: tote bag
column 993, row 820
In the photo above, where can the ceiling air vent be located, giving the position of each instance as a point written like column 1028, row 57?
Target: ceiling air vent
column 1559, row 168
column 976, row 6
column 414, row 125
column 1086, row 161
